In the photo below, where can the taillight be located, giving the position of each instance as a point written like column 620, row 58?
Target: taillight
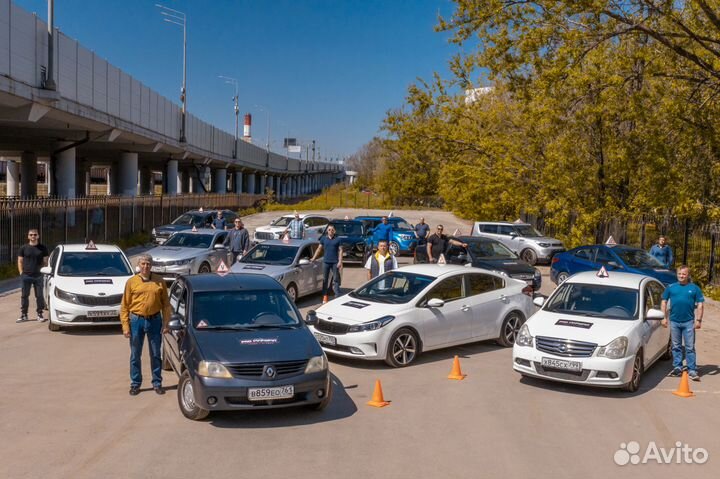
column 554, row 260
column 528, row 290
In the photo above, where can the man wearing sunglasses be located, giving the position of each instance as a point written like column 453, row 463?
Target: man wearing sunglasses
column 31, row 258
column 438, row 244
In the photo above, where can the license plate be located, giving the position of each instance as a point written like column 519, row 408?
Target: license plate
column 158, row 269
column 575, row 366
column 325, row 339
column 106, row 313
column 263, row 394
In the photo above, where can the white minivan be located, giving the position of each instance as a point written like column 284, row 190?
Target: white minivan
column 522, row 238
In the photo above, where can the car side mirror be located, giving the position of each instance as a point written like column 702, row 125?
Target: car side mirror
column 219, row 246
column 311, row 319
column 539, row 301
column 462, row 257
column 614, row 264
column 304, row 261
column 46, row 270
column 435, row 303
column 513, row 234
column 175, row 323
column 654, row 314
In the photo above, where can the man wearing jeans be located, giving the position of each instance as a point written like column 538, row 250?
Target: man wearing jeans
column 332, row 261
column 31, row 258
column 685, row 313
column 145, row 311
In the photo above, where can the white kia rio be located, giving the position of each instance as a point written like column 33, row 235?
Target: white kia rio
column 84, row 284
column 599, row 331
column 404, row 312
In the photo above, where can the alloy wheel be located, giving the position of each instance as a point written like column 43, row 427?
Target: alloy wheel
column 188, row 398
column 404, row 348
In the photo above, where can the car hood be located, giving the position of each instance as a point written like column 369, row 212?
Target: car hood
column 269, row 270
column 92, row 286
column 268, row 345
column 355, row 311
column 165, row 253
column 661, row 274
column 507, row 265
column 172, row 228
column 271, row 229
column 579, row 328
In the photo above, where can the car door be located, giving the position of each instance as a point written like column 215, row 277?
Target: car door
column 456, row 255
column 487, row 302
column 172, row 340
column 450, row 323
column 655, row 337
column 48, row 278
column 583, row 259
column 605, row 257
column 215, row 255
column 506, row 235
column 306, row 276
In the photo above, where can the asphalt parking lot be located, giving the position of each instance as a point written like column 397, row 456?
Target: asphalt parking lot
column 66, row 413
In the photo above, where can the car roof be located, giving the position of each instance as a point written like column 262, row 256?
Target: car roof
column 340, row 220
column 436, row 270
column 82, row 247
column 233, row 281
column 614, row 278
column 390, row 218
column 476, row 239
column 611, row 246
column 511, row 223
column 290, row 242
column 200, row 231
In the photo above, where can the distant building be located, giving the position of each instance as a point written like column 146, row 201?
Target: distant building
column 473, row 94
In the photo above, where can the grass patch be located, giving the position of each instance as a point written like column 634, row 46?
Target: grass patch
column 8, row 271
column 136, row 239
column 337, row 196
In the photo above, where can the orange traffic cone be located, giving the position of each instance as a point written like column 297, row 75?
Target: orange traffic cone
column 377, row 398
column 684, row 389
column 325, row 299
column 456, row 373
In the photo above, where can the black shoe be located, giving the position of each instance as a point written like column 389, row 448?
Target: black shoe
column 134, row 390
column 675, row 373
column 159, row 390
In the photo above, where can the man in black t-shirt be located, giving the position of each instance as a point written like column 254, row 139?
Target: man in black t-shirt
column 438, row 244
column 31, row 258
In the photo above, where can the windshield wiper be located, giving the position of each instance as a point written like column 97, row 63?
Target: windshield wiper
column 225, row 328
column 273, row 326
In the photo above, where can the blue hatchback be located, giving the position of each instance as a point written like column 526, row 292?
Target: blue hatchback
column 403, row 237
column 615, row 258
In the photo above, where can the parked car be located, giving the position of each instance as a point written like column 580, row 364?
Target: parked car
column 403, row 239
column 400, row 314
column 523, row 239
column 188, row 220
column 190, row 252
column 286, row 262
column 84, row 285
column 598, row 331
column 314, row 227
column 355, row 242
column 614, row 258
column 490, row 254
column 255, row 353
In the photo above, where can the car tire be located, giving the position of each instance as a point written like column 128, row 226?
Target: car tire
column 52, row 326
column 394, row 248
column 667, row 354
column 403, row 348
column 292, row 291
column 510, row 327
column 186, row 399
column 634, row 383
column 204, row 268
column 561, row 277
column 166, row 366
column 324, row 403
column 529, row 256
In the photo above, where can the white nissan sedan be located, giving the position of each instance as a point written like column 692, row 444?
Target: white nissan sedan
column 593, row 330
column 404, row 312
column 84, row 285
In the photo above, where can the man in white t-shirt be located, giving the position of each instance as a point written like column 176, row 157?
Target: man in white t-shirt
column 380, row 262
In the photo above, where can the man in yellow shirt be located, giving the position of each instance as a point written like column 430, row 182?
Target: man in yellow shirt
column 145, row 310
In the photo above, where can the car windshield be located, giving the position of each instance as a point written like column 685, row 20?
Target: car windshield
column 637, row 258
column 189, row 219
column 189, row 240
column 282, row 221
column 594, row 300
column 93, row 264
column 400, row 225
column 348, row 229
column 243, row 309
column 395, row 287
column 490, row 249
column 527, row 231
column 271, row 254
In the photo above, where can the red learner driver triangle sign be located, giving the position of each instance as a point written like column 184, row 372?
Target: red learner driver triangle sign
column 602, row 273
column 222, row 268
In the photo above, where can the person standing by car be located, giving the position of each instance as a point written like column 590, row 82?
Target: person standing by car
column 238, row 239
column 331, row 247
column 219, row 223
column 380, row 262
column 145, row 311
column 685, row 314
column 296, row 228
column 438, row 243
column 662, row 252
column 31, row 258
column 383, row 232
column 422, row 230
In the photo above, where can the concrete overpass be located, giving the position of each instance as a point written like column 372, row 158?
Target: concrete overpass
column 98, row 115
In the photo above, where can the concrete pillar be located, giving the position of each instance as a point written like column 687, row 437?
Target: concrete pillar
column 219, row 180
column 263, row 183
column 281, row 187
column 171, row 178
column 128, row 174
column 65, row 173
column 82, row 177
column 28, row 174
column 196, row 175
column 146, row 182
column 251, row 184
column 13, row 177
column 238, row 182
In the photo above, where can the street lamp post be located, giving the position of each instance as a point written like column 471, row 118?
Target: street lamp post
column 234, row 82
column 267, row 144
column 177, row 17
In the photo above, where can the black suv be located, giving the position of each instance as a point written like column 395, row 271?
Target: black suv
column 186, row 221
column 253, row 352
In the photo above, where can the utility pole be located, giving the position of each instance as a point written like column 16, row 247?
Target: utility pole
column 50, row 80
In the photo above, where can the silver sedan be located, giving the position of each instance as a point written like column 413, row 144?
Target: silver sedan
column 188, row 252
column 286, row 261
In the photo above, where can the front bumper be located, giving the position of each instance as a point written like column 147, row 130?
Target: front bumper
column 370, row 345
column 232, row 394
column 71, row 314
column 596, row 371
column 547, row 254
column 171, row 273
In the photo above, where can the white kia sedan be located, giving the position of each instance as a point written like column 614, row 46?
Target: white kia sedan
column 84, row 285
column 404, row 312
column 599, row 331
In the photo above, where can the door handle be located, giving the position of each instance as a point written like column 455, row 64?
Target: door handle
column 465, row 307
column 504, row 298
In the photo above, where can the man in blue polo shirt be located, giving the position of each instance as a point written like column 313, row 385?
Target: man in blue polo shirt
column 685, row 313
column 331, row 246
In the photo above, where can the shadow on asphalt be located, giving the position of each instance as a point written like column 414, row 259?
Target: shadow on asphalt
column 104, row 330
column 341, row 406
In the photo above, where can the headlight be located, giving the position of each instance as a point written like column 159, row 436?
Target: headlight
column 213, row 369
column 544, row 245
column 179, row 262
column 316, row 364
column 65, row 296
column 279, row 277
column 500, row 272
column 616, row 349
column 153, row 231
column 371, row 325
column 523, row 337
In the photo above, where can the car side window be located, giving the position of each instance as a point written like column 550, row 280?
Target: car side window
column 492, row 229
column 505, row 230
column 174, row 296
column 182, row 303
column 604, row 256
column 54, row 256
column 219, row 239
column 448, row 289
column 483, row 283
column 653, row 295
column 584, row 253
column 453, row 254
column 306, row 253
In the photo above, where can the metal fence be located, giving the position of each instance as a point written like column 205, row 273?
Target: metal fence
column 104, row 219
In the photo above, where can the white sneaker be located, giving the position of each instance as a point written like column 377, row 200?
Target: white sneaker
column 41, row 318
column 22, row 318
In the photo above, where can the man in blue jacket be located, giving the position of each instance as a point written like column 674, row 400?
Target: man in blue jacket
column 383, row 232
column 662, row 252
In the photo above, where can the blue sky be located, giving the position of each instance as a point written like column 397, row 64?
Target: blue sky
column 327, row 70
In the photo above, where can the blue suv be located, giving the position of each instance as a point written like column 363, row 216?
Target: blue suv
column 403, row 237
column 615, row 258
